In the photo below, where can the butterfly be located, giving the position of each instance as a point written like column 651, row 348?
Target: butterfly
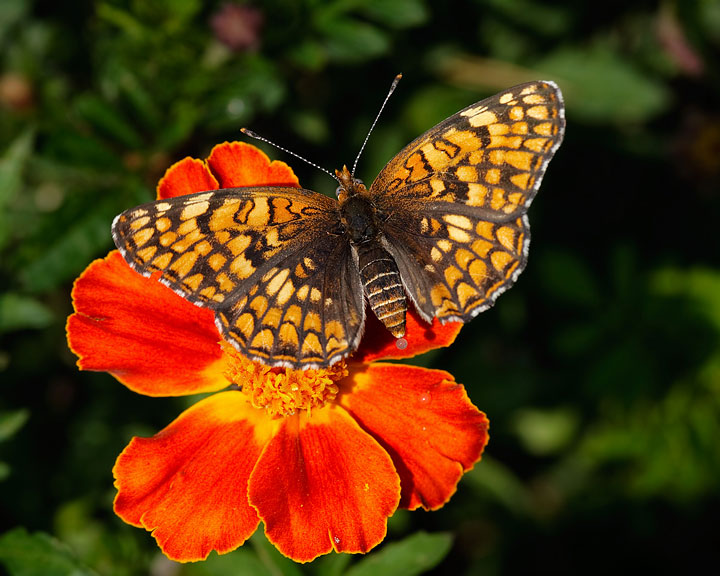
column 287, row 271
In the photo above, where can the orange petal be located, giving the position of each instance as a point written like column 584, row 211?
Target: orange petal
column 425, row 421
column 239, row 164
column 188, row 484
column 378, row 343
column 186, row 177
column 148, row 337
column 323, row 484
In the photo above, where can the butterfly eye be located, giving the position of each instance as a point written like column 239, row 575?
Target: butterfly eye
column 355, row 181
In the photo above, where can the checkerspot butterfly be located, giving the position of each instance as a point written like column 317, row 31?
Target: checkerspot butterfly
column 287, row 271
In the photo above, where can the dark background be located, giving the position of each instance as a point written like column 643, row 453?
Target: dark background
column 599, row 370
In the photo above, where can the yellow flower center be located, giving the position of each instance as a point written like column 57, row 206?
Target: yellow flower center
column 283, row 391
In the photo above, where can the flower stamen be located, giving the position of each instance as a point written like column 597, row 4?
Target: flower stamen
column 283, row 391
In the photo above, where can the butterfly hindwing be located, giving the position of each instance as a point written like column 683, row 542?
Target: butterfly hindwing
column 307, row 311
column 268, row 260
column 459, row 269
column 455, row 199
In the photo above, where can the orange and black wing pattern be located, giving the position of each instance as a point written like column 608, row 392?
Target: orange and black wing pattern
column 455, row 199
column 281, row 274
column 268, row 260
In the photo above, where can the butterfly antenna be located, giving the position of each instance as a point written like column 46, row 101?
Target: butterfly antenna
column 252, row 134
column 392, row 89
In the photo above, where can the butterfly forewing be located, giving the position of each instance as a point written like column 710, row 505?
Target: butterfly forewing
column 455, row 199
column 267, row 260
column 490, row 155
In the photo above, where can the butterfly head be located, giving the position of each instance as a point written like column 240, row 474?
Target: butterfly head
column 349, row 185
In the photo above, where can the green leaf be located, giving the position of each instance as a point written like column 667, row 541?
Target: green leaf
column 600, row 85
column 537, row 16
column 577, row 338
column 545, row 432
column 38, row 554
column 241, row 561
column 332, row 565
column 11, row 421
column 145, row 110
column 257, row 86
column 172, row 15
column 107, row 120
column 84, row 152
column 414, row 555
column 119, row 18
column 352, row 41
column 270, row 558
column 396, row 13
column 11, row 13
column 182, row 120
column 308, row 54
column 709, row 17
column 67, row 256
column 643, row 445
column 700, row 284
column 20, row 312
column 495, row 479
column 430, row 105
column 313, row 127
column 566, row 277
column 12, row 164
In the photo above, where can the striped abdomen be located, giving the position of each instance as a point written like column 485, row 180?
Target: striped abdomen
column 381, row 279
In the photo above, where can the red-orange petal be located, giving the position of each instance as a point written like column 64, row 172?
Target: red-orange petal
column 426, row 422
column 148, row 337
column 188, row 484
column 378, row 343
column 324, row 484
column 186, row 177
column 237, row 164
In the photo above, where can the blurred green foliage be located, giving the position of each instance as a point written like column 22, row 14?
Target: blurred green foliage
column 600, row 370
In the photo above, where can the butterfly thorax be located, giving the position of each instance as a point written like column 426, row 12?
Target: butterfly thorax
column 359, row 219
column 362, row 222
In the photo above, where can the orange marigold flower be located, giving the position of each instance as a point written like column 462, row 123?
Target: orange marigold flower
column 321, row 457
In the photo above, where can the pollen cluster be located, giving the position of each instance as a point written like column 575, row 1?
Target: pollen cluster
column 283, row 391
